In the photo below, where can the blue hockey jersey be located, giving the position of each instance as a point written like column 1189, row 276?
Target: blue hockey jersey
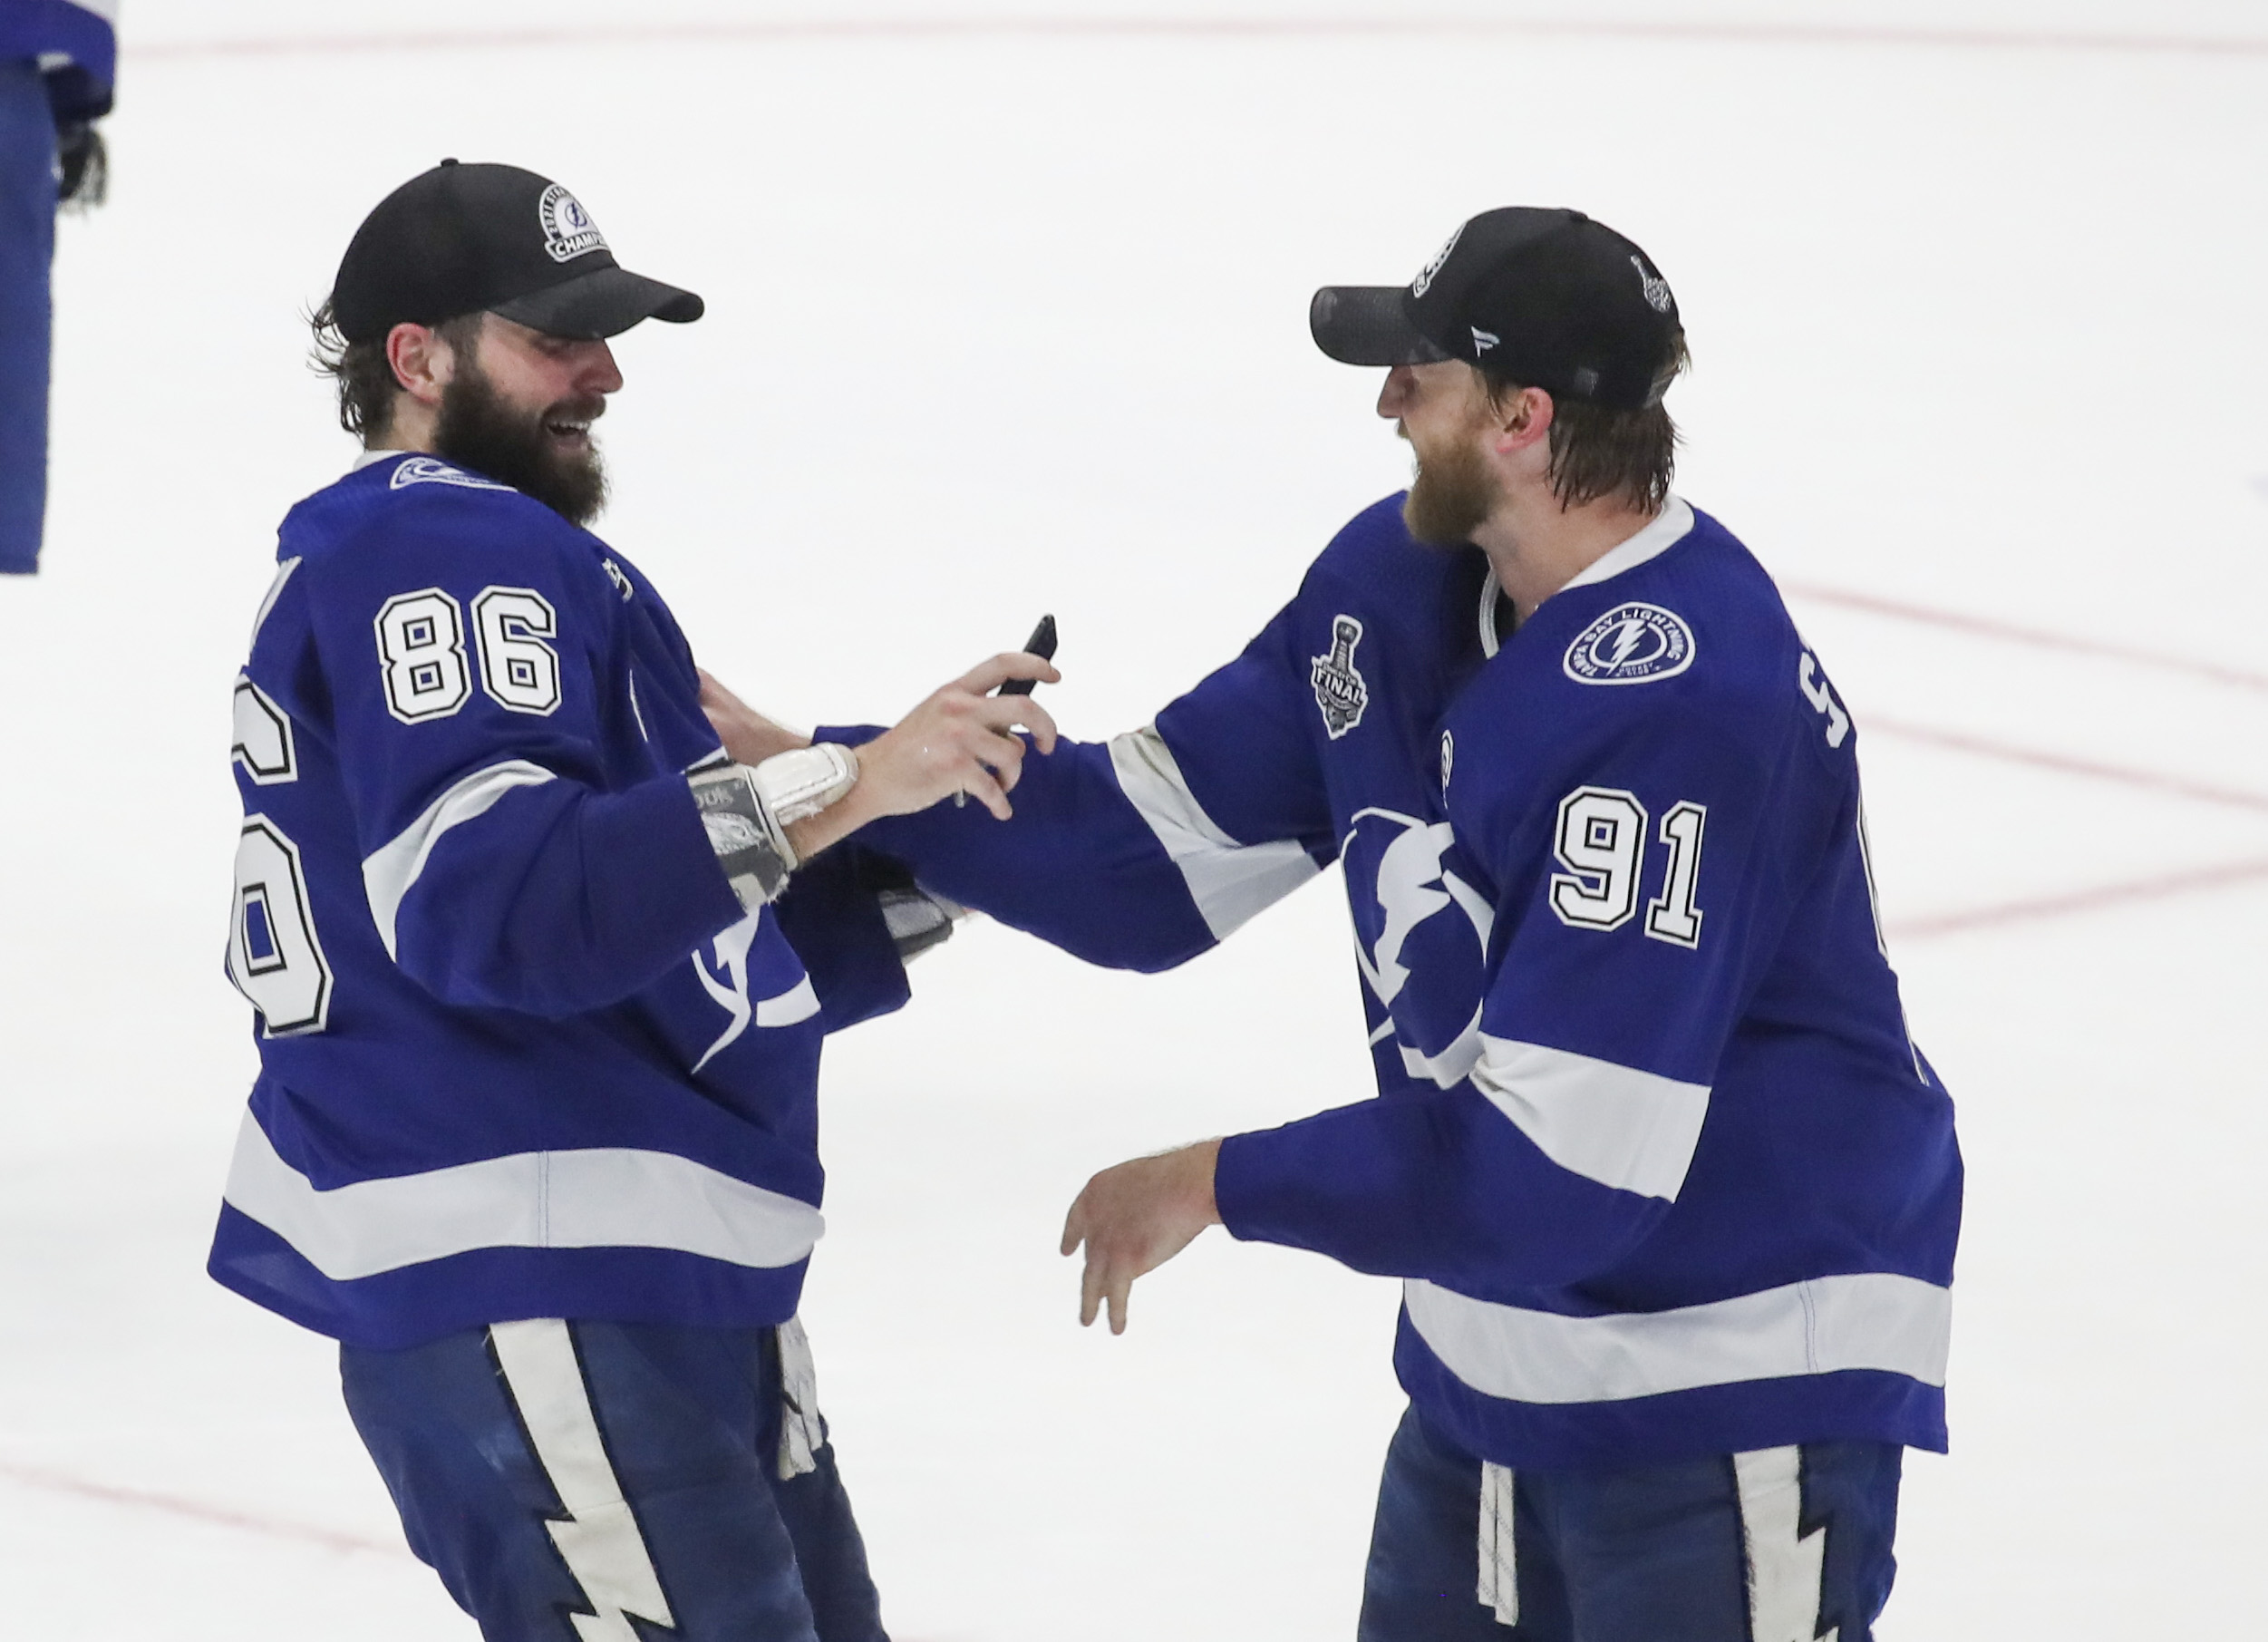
column 522, row 1054
column 1662, row 1172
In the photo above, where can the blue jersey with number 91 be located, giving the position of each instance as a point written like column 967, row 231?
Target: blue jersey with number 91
column 1662, row 1172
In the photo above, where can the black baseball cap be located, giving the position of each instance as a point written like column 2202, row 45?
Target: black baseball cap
column 1549, row 298
column 474, row 238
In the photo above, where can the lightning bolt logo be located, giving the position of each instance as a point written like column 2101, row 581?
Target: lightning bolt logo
column 1787, row 1565
column 598, row 1537
column 1626, row 641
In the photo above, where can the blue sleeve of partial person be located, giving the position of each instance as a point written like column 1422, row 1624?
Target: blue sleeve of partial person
column 470, row 650
column 73, row 46
column 27, row 236
column 832, row 916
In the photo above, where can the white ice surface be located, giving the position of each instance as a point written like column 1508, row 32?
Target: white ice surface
column 1005, row 322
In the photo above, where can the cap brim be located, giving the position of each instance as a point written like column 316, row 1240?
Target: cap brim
column 1368, row 325
column 604, row 302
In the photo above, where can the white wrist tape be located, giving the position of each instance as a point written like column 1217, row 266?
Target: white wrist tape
column 804, row 782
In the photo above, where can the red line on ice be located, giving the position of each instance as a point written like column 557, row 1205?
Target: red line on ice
column 1069, row 28
column 2063, row 763
column 198, row 1510
column 2040, row 638
column 2080, row 900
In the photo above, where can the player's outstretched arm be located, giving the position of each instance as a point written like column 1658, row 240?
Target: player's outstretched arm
column 1135, row 1218
column 961, row 739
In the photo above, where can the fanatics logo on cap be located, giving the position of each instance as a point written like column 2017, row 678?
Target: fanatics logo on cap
column 1483, row 341
column 568, row 230
column 1633, row 644
column 1340, row 691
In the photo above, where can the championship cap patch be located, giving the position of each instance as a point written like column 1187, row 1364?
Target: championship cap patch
column 1633, row 644
column 568, row 229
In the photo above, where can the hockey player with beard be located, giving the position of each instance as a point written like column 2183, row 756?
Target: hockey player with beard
column 542, row 974
column 1673, row 1197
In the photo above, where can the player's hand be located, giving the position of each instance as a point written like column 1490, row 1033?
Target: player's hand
column 1135, row 1218
column 961, row 740
column 747, row 735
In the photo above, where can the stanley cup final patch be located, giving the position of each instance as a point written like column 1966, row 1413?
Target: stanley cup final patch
column 1340, row 691
column 1633, row 644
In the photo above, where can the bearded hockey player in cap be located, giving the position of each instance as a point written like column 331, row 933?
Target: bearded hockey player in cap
column 542, row 973
column 1673, row 1197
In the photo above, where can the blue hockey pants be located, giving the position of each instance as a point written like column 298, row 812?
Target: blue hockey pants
column 619, row 1471
column 1781, row 1545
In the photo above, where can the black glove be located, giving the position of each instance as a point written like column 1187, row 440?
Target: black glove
column 83, row 163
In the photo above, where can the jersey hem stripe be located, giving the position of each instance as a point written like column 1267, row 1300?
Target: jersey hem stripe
column 599, row 1196
column 1860, row 1320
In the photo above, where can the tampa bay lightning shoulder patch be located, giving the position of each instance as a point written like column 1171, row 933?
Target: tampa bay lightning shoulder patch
column 1633, row 644
column 432, row 469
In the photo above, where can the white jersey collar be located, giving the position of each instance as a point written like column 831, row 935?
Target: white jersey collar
column 367, row 457
column 1669, row 527
column 1664, row 531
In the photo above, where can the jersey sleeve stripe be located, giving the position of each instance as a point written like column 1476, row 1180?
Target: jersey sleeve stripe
column 393, row 870
column 597, row 1198
column 1876, row 1320
column 268, row 603
column 1613, row 1124
column 1230, row 882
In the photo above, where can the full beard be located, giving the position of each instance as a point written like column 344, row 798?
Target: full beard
column 1451, row 496
column 478, row 429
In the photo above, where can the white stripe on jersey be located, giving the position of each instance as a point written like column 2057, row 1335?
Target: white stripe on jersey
column 1869, row 1320
column 597, row 1198
column 267, row 601
column 599, row 1541
column 1230, row 882
column 390, row 871
column 1612, row 1124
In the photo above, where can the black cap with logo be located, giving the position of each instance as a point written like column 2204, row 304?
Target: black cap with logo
column 1549, row 298
column 474, row 238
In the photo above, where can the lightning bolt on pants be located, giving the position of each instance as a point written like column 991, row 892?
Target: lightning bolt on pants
column 594, row 1482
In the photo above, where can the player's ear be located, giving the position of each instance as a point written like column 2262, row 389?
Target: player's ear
column 1522, row 418
column 422, row 359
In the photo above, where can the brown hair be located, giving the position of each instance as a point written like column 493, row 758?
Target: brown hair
column 1598, row 451
column 363, row 374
